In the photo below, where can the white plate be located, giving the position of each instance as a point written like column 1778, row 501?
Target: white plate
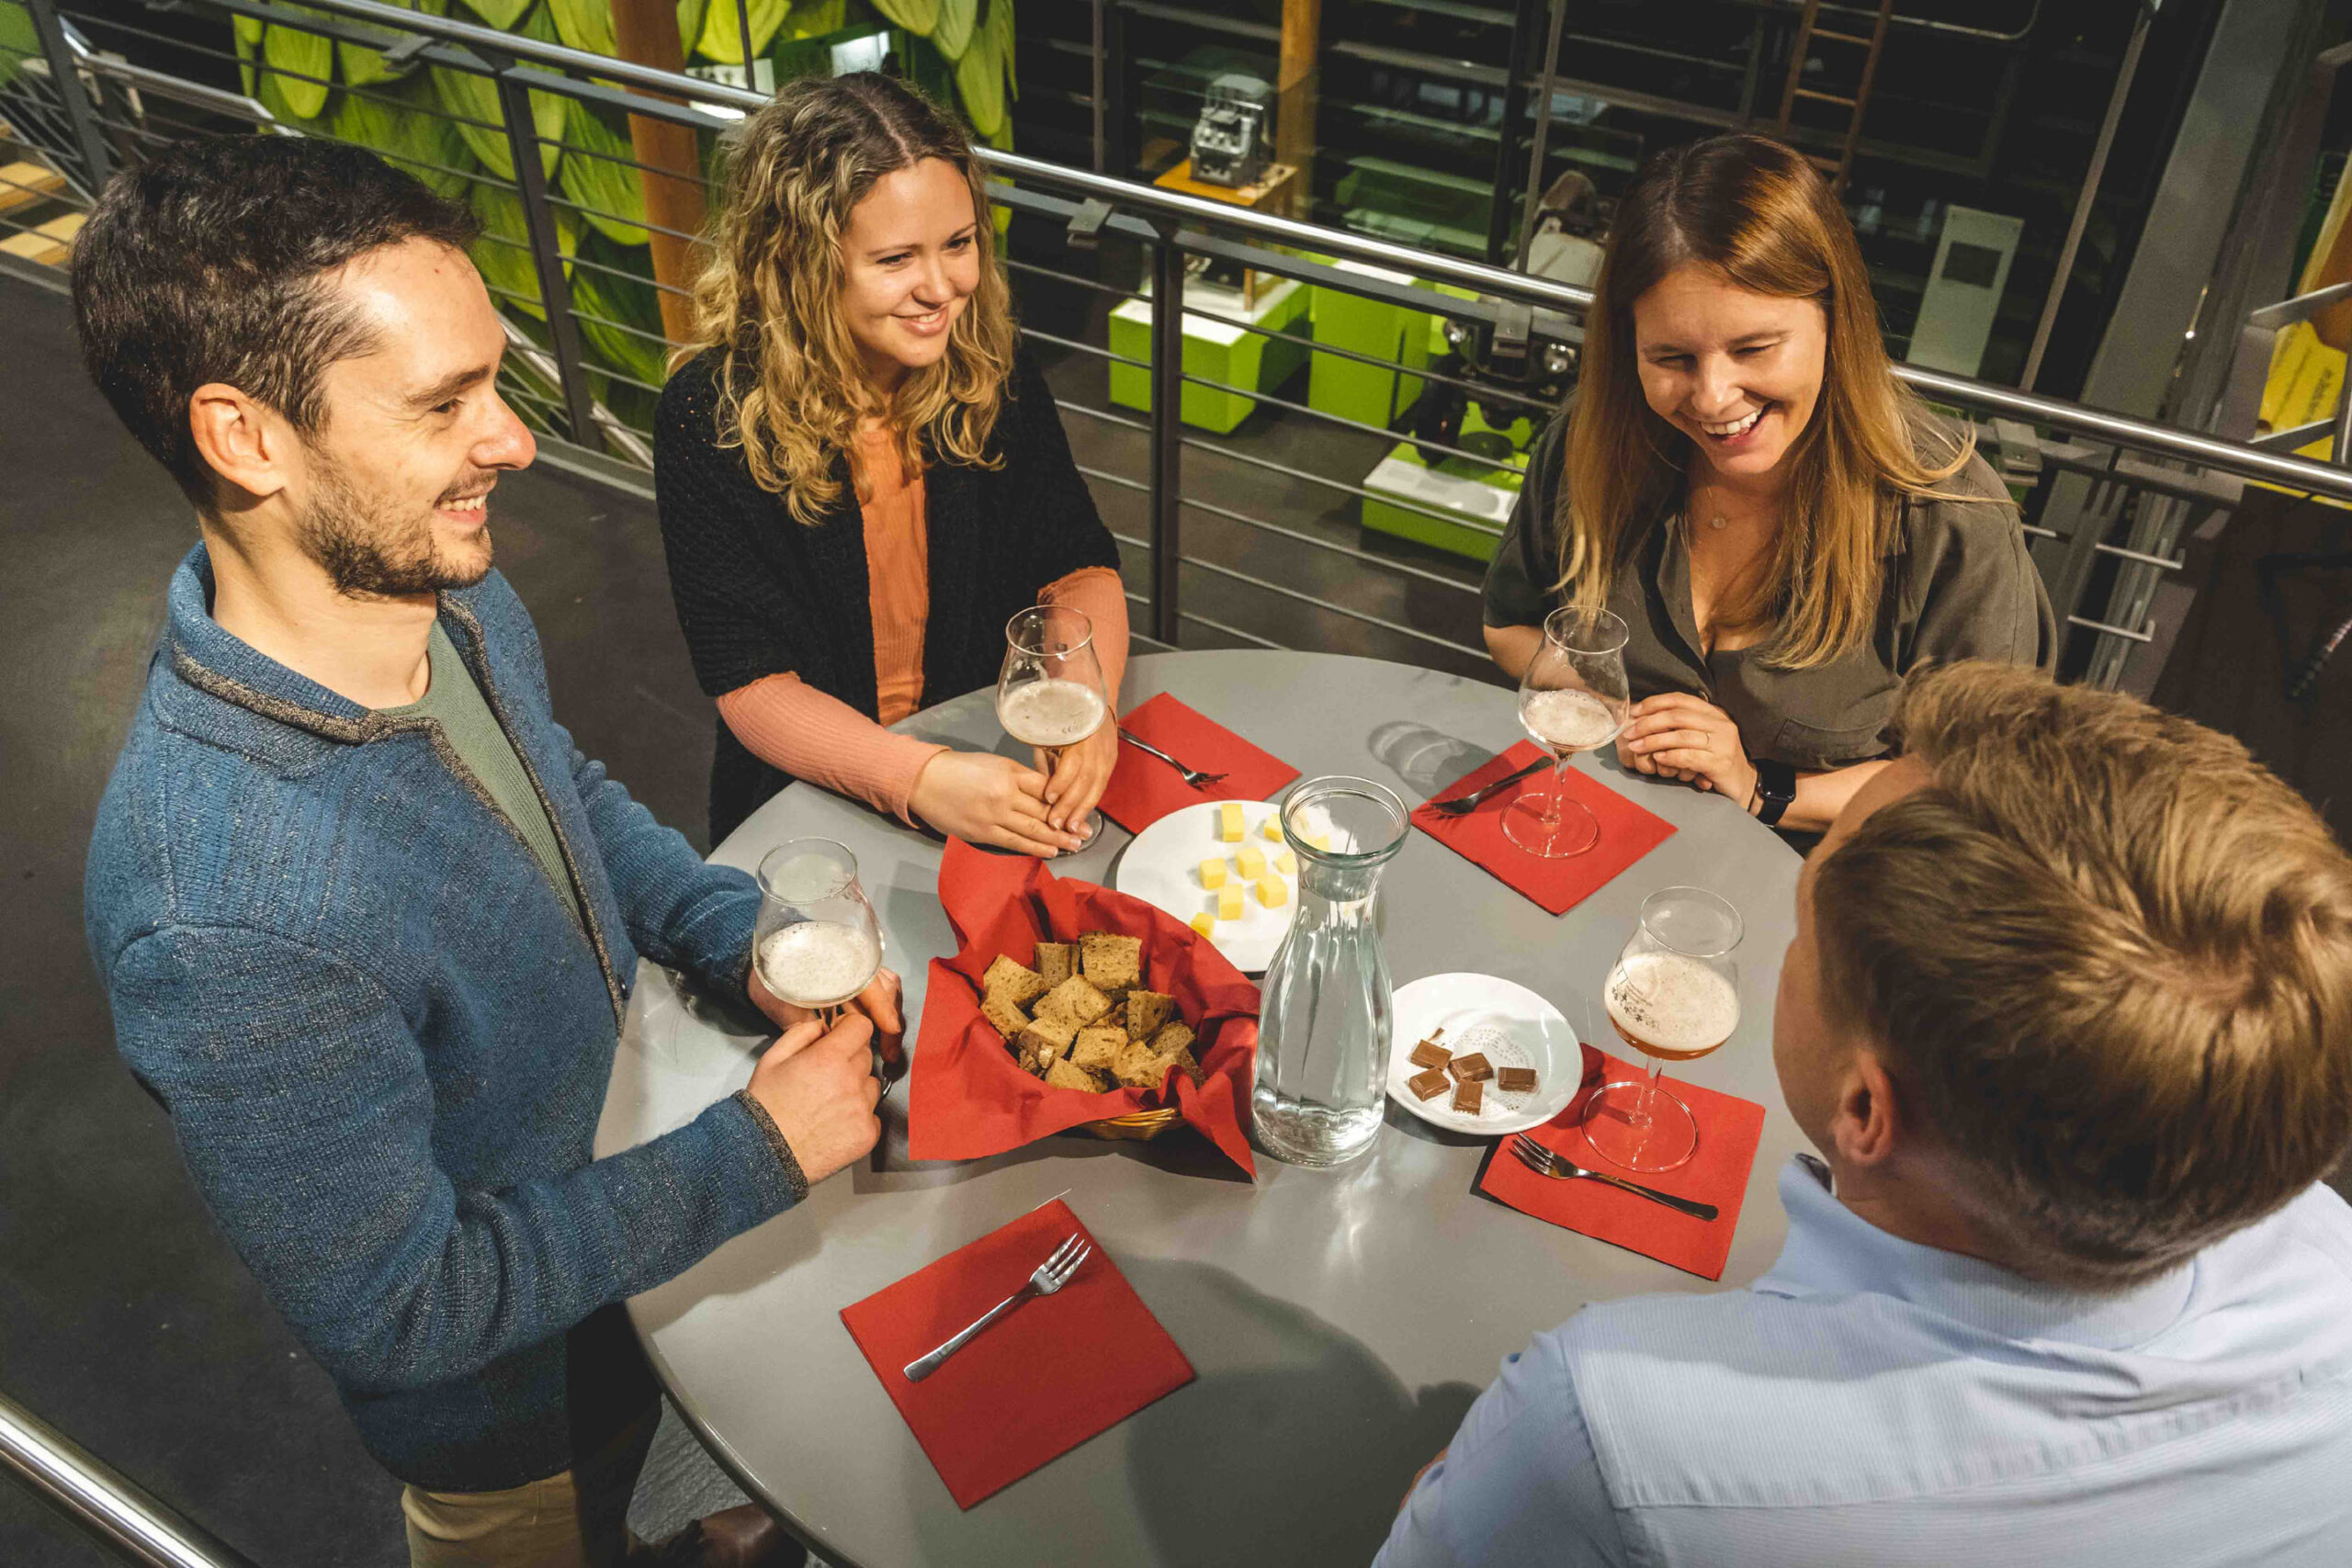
column 1163, row 867
column 1511, row 1024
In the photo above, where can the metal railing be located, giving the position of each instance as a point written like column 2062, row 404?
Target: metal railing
column 1306, row 576
column 115, row 1512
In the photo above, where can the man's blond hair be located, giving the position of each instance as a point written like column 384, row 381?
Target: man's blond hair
column 2108, row 957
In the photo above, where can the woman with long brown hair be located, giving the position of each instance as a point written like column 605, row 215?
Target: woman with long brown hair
column 862, row 477
column 1740, row 476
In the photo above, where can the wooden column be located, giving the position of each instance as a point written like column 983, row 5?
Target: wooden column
column 645, row 33
column 1294, row 97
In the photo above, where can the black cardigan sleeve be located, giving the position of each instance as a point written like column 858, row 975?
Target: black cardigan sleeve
column 1065, row 533
column 738, row 630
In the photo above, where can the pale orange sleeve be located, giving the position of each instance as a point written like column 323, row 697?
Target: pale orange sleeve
column 1096, row 592
column 788, row 724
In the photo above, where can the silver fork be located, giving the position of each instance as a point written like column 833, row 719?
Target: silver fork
column 1543, row 1162
column 1192, row 776
column 1050, row 1276
column 1472, row 801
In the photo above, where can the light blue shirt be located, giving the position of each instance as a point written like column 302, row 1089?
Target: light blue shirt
column 1874, row 1401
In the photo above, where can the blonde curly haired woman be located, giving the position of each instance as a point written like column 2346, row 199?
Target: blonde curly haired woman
column 862, row 477
column 1786, row 530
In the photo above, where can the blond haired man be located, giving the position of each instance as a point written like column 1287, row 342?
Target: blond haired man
column 2069, row 1017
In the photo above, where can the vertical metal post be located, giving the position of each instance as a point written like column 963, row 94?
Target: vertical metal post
column 1112, row 52
column 1167, row 431
column 547, row 256
column 1543, row 133
column 2091, row 178
column 1523, row 49
column 743, row 25
column 1101, row 37
column 63, row 74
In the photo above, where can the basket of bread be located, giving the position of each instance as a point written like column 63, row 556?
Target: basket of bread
column 1068, row 1006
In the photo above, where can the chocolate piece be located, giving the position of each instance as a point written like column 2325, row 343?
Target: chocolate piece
column 1473, row 1068
column 1468, row 1095
column 1515, row 1080
column 1427, row 1084
column 1430, row 1053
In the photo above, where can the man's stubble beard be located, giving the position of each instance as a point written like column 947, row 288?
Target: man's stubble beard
column 366, row 554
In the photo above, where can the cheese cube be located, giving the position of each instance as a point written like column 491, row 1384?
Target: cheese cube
column 1272, row 827
column 1286, row 863
column 1213, row 873
column 1229, row 821
column 1250, row 862
column 1273, row 892
column 1205, row 922
column 1228, row 902
column 1320, row 840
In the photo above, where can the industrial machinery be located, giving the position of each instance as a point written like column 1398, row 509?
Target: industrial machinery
column 1229, row 140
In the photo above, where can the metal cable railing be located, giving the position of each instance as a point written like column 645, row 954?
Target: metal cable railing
column 583, row 305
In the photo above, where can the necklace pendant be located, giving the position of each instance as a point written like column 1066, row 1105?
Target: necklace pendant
column 1717, row 521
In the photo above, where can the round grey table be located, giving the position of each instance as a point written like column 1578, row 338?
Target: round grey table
column 1340, row 1321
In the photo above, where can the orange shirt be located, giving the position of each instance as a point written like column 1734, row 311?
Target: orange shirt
column 898, row 576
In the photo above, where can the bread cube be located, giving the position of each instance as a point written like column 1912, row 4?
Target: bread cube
column 1003, row 1016
column 1044, row 1040
column 1112, row 964
column 1099, row 1047
column 1250, row 862
column 1014, row 981
column 1174, row 1039
column 1056, row 962
column 1228, row 902
column 1229, row 821
column 1148, row 1011
column 1062, row 1075
column 1273, row 892
column 1074, row 1001
column 1139, row 1067
column 1213, row 873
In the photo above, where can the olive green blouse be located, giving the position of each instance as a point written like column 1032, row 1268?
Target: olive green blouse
column 1958, row 584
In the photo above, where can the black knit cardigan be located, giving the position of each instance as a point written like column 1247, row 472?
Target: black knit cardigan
column 759, row 593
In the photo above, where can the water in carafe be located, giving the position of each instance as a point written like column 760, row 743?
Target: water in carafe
column 1324, row 1023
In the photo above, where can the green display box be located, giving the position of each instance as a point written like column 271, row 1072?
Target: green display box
column 1350, row 389
column 1215, row 351
column 1482, row 494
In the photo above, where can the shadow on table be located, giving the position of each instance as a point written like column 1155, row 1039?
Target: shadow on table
column 1293, row 1445
column 1427, row 759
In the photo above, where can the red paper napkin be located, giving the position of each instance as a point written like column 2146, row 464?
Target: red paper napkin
column 1039, row 1380
column 1143, row 789
column 1627, row 833
column 1729, row 1130
column 966, row 1097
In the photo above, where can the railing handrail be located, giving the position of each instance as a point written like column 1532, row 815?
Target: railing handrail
column 115, row 1511
column 2104, row 425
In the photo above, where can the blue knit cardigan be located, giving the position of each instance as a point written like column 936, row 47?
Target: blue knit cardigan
column 384, row 1040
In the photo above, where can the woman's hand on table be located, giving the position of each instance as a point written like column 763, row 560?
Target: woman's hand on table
column 983, row 799
column 1679, row 736
column 1076, row 779
column 818, row 1086
column 879, row 1002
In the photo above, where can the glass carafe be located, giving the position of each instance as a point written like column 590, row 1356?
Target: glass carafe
column 1323, row 1027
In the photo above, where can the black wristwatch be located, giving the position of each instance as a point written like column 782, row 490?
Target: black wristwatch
column 1776, row 789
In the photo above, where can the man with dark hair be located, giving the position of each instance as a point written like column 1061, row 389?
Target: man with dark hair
column 368, row 921
column 2069, row 1017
